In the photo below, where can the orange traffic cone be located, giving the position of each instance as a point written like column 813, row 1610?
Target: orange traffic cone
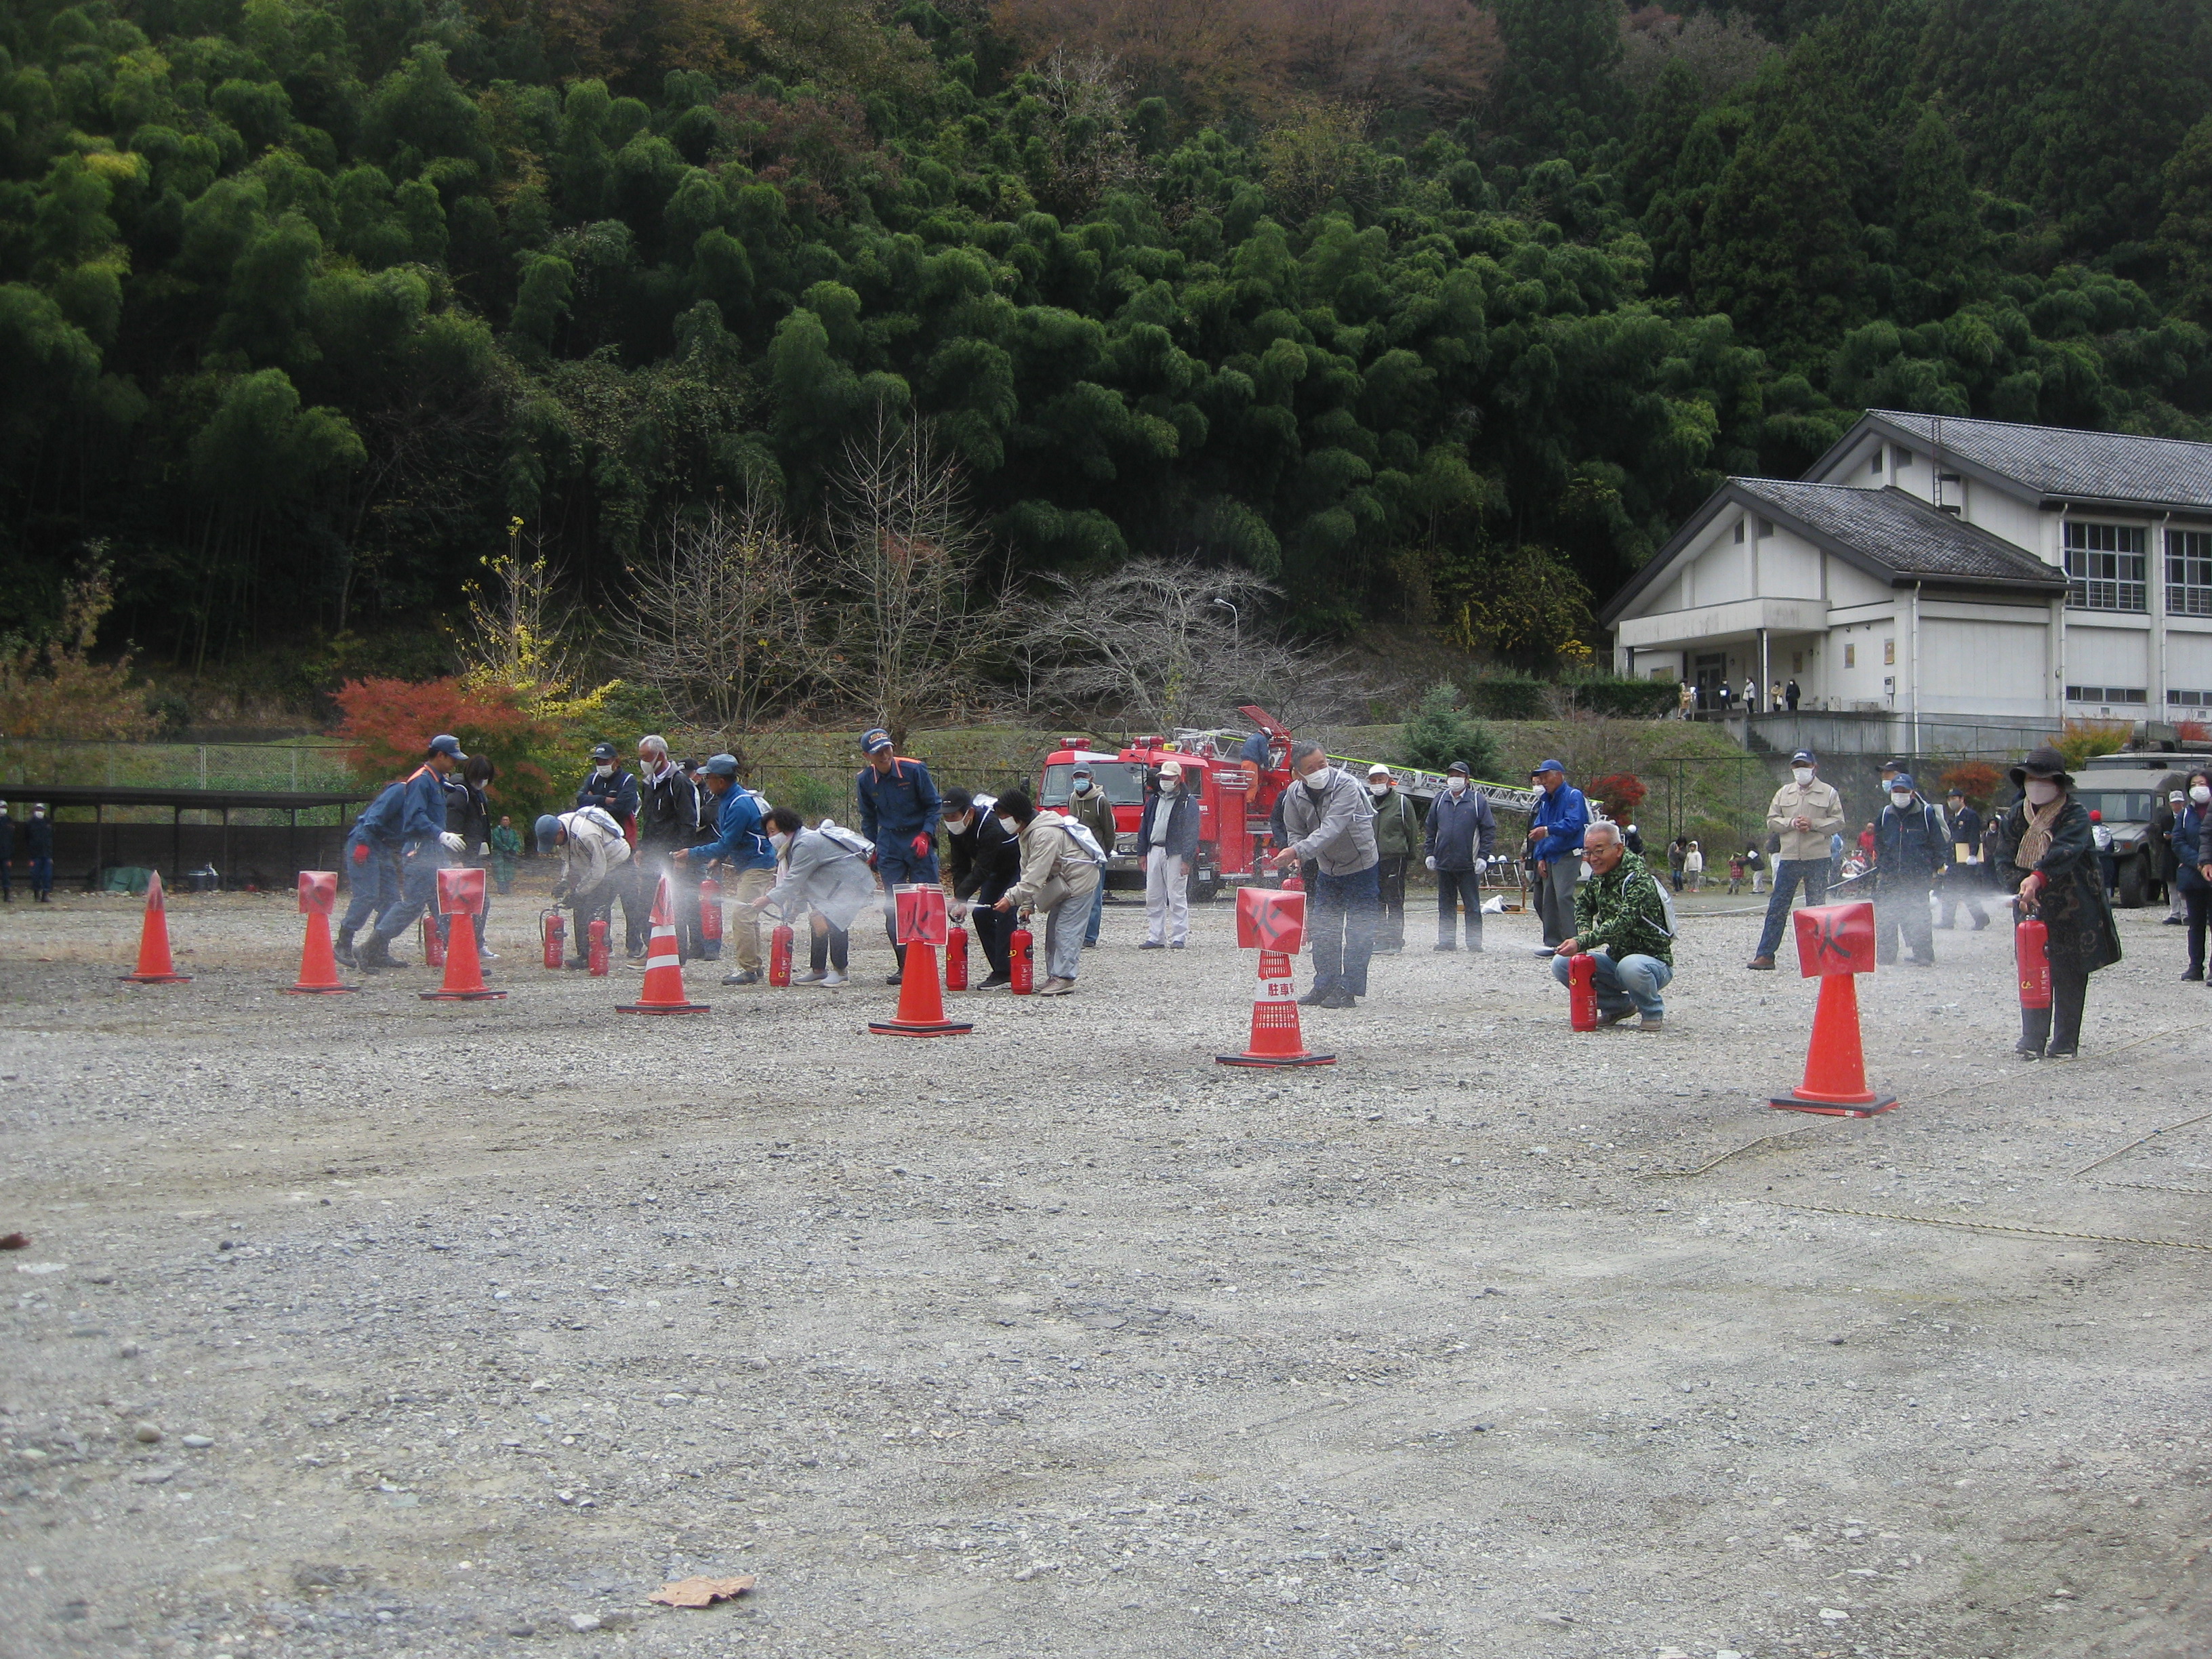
column 155, row 965
column 1277, row 1039
column 922, row 1000
column 319, row 968
column 465, row 980
column 1835, row 1083
column 664, row 991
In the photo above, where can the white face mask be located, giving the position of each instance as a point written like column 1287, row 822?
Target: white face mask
column 780, row 841
column 1083, row 786
column 1315, row 781
column 1900, row 797
column 1378, row 790
column 961, row 825
column 2041, row 791
column 604, row 769
column 2199, row 793
column 1803, row 773
column 1457, row 786
column 1168, row 785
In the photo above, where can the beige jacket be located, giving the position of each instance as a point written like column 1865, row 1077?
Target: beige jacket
column 1053, row 867
column 1816, row 800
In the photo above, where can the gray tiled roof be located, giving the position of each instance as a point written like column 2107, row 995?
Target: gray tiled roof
column 2058, row 462
column 1900, row 532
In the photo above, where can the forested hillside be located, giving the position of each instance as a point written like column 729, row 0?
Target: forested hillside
column 1421, row 310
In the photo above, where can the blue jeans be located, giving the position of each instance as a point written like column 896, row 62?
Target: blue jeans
column 1788, row 873
column 42, row 876
column 1633, row 982
column 1097, row 910
column 375, row 882
column 419, row 864
column 1341, row 913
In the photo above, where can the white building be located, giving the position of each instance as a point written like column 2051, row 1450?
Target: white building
column 1939, row 566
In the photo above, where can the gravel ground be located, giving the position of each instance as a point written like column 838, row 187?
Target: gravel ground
column 366, row 1325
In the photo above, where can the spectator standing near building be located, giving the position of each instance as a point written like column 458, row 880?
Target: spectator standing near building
column 2177, row 910
column 1327, row 818
column 740, row 846
column 38, row 848
column 1167, row 838
column 899, row 812
column 1685, row 699
column 1789, row 696
column 1088, row 805
column 1910, row 859
column 2187, row 841
column 1457, row 842
column 1398, row 840
column 1057, row 877
column 426, row 846
column 595, row 860
column 1961, row 888
column 823, row 876
column 1555, row 841
column 667, row 819
column 506, row 849
column 986, row 860
column 2053, row 858
column 1806, row 817
column 1623, row 924
column 1693, row 867
column 1677, row 850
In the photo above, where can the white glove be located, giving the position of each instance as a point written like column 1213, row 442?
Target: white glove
column 1432, row 863
column 1481, row 865
column 453, row 842
column 483, row 849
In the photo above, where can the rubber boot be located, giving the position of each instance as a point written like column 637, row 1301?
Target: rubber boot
column 376, row 956
column 342, row 951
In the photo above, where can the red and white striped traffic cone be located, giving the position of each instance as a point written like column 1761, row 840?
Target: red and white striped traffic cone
column 664, row 991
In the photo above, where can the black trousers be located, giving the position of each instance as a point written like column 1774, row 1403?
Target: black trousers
column 1391, row 877
column 2056, row 1030
column 832, row 946
column 2199, row 900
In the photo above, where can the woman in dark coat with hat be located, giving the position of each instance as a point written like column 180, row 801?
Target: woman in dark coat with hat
column 2054, row 862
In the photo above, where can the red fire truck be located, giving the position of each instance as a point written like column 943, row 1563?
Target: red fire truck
column 1235, row 777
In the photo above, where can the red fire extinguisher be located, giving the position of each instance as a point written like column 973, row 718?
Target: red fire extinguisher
column 2031, row 942
column 553, row 929
column 779, row 955
column 434, row 947
column 598, row 934
column 710, row 910
column 1581, row 992
column 956, row 959
column 1021, row 960
column 1294, row 883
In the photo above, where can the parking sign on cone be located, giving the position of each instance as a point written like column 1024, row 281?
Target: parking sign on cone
column 664, row 991
column 1274, row 923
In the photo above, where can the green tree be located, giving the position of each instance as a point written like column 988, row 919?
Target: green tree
column 1438, row 732
column 1782, row 253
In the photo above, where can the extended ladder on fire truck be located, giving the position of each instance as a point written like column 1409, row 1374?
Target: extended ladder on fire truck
column 1426, row 787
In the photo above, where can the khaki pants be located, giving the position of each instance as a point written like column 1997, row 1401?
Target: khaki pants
column 743, row 928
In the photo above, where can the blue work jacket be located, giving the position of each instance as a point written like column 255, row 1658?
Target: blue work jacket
column 898, row 807
column 1565, row 814
column 739, row 841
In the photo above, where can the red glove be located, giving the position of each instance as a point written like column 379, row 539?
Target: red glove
column 360, row 854
column 922, row 844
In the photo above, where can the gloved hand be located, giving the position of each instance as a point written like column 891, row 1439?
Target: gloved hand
column 453, row 843
column 360, row 854
column 560, row 893
column 922, row 843
column 483, row 849
column 1430, row 861
column 1481, row 865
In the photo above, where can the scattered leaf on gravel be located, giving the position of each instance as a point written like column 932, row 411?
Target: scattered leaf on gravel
column 15, row 1241
column 699, row 1592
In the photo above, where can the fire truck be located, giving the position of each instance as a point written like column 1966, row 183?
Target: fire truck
column 1236, row 776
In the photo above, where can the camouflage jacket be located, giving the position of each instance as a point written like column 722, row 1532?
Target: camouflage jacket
column 1621, row 913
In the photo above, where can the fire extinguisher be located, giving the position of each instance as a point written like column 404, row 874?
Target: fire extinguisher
column 553, row 929
column 956, row 959
column 598, row 934
column 434, row 947
column 1021, row 959
column 779, row 955
column 1581, row 992
column 710, row 910
column 1294, row 883
column 2031, row 942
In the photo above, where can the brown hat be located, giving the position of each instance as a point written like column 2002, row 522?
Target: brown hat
column 2044, row 762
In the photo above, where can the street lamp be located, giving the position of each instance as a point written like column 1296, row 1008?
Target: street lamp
column 1235, row 622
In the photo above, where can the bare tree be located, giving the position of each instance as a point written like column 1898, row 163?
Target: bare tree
column 1167, row 642
column 909, row 612
column 717, row 622
column 522, row 632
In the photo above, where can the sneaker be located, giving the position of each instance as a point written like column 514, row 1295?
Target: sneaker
column 1442, row 949
column 1337, row 997
column 834, row 979
column 485, row 955
column 2028, row 1050
column 993, row 982
column 2062, row 1054
column 1152, row 944
column 1617, row 1016
column 2197, row 972
column 1091, row 944
column 1652, row 1022
column 1055, row 987
column 893, row 979
column 1314, row 998
column 1177, row 945
column 1545, row 951
column 579, row 964
column 744, row 976
column 809, row 978
column 1761, row 964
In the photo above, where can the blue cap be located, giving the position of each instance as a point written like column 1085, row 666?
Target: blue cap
column 720, row 766
column 443, row 744
column 1902, row 781
column 1551, row 766
column 873, row 738
column 549, row 833
column 1803, row 757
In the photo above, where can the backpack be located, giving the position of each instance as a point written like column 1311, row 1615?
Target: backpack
column 850, row 839
column 1083, row 838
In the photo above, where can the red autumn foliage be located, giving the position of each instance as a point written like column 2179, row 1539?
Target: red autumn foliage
column 388, row 725
column 1977, row 780
column 1621, row 792
column 815, row 149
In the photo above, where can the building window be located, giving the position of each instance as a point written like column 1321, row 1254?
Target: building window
column 1889, row 653
column 1850, row 656
column 2189, row 699
column 1767, row 526
column 2106, row 694
column 1739, row 531
column 2189, row 573
column 1874, row 463
column 1901, row 458
column 2104, row 567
